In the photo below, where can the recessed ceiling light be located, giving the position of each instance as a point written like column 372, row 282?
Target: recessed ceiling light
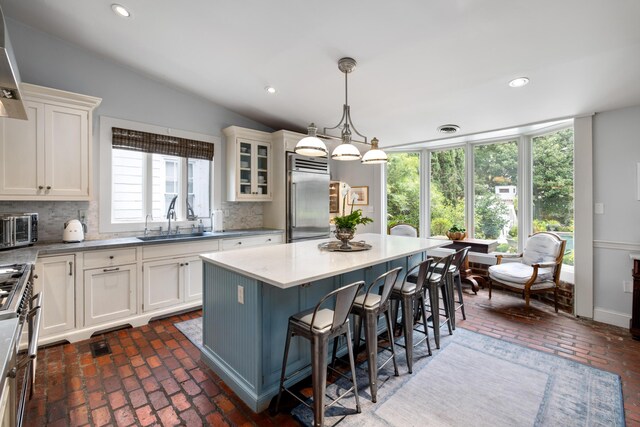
column 120, row 10
column 270, row 89
column 448, row 129
column 519, row 82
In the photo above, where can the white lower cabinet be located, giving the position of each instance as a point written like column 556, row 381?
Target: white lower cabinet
column 169, row 282
column 109, row 294
column 162, row 285
column 55, row 278
column 192, row 273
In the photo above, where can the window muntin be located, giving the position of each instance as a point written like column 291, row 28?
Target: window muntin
column 553, row 192
column 403, row 189
column 495, row 204
column 447, row 195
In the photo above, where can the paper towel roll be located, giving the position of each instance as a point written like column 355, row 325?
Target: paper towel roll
column 217, row 220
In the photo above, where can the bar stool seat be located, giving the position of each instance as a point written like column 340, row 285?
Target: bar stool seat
column 371, row 301
column 319, row 325
column 323, row 321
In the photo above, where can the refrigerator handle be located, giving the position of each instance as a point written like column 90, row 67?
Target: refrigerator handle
column 294, row 205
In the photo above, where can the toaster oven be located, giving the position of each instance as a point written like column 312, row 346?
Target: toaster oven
column 18, row 229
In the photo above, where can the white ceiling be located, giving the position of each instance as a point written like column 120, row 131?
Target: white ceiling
column 421, row 63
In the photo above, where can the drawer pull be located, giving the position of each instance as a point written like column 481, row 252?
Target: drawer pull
column 239, row 243
column 106, row 270
column 268, row 240
column 110, row 256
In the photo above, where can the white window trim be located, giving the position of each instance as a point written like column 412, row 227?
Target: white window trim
column 106, row 123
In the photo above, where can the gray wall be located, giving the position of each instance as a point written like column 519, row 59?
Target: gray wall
column 126, row 94
column 616, row 152
column 356, row 174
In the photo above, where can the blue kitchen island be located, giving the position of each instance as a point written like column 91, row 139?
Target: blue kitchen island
column 250, row 293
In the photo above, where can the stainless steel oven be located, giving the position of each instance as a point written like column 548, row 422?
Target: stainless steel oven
column 18, row 302
column 18, row 229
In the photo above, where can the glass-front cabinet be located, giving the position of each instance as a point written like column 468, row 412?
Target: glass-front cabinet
column 249, row 163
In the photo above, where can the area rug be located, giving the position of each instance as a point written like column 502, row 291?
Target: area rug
column 475, row 380
column 192, row 329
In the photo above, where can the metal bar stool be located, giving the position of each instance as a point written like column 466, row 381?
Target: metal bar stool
column 454, row 284
column 437, row 283
column 410, row 295
column 368, row 307
column 319, row 325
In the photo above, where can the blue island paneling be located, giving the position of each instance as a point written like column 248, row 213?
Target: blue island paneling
column 244, row 343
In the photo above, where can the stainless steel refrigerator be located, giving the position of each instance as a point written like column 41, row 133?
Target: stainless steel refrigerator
column 307, row 198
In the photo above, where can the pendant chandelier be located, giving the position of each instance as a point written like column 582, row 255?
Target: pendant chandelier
column 314, row 146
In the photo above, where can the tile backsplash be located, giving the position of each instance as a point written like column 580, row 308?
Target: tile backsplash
column 52, row 216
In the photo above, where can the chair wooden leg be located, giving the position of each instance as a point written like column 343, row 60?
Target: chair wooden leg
column 526, row 298
column 489, row 283
column 555, row 297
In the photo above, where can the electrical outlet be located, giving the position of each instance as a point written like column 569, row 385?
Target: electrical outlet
column 82, row 215
column 240, row 294
column 627, row 286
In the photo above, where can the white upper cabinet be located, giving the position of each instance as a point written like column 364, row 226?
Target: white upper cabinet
column 248, row 165
column 48, row 156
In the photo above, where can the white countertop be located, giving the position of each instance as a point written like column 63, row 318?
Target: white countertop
column 293, row 264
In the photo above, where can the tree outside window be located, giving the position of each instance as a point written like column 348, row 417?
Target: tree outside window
column 552, row 157
column 403, row 189
column 447, row 190
column 495, row 196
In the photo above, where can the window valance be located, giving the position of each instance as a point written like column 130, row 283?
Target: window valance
column 135, row 140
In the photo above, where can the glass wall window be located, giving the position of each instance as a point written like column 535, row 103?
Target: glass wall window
column 403, row 189
column 447, row 190
column 552, row 173
column 495, row 194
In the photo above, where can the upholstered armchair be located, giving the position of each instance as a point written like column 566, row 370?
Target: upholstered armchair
column 403, row 230
column 538, row 270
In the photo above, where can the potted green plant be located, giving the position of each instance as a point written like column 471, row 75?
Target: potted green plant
column 346, row 224
column 457, row 233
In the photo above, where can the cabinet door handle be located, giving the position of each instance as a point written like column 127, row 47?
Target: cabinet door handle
column 35, row 276
column 111, row 269
column 48, row 187
column 70, row 268
column 186, row 263
column 181, row 265
column 268, row 240
column 110, row 256
column 239, row 243
column 40, row 187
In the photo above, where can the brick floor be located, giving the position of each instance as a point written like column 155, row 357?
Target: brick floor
column 154, row 375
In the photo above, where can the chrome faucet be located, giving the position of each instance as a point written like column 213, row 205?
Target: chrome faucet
column 146, row 219
column 171, row 213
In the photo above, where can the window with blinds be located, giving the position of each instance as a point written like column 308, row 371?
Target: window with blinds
column 149, row 170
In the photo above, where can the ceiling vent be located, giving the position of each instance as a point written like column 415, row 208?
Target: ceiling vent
column 448, row 129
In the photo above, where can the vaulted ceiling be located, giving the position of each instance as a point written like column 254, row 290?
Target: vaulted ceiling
column 421, row 63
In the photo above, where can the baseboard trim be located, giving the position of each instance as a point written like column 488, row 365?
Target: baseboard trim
column 611, row 317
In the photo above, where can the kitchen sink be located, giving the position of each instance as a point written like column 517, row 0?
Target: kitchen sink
column 172, row 237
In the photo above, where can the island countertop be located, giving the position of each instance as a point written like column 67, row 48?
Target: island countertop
column 294, row 264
